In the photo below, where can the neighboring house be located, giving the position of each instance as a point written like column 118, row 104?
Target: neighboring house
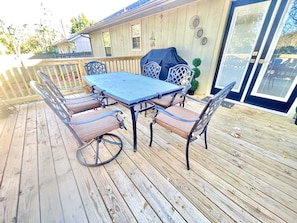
column 236, row 40
column 76, row 43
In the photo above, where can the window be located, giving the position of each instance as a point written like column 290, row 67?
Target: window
column 136, row 36
column 107, row 43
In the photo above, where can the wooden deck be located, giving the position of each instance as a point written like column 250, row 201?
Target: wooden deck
column 248, row 173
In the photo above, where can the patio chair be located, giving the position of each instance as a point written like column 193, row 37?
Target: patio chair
column 95, row 67
column 182, row 75
column 73, row 105
column 151, row 69
column 87, row 127
column 187, row 123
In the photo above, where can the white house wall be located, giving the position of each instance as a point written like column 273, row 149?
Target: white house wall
column 171, row 29
column 82, row 44
column 65, row 47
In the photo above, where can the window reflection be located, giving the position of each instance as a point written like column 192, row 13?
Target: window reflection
column 244, row 30
column 280, row 76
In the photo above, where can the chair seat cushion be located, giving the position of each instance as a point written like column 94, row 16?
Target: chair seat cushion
column 94, row 129
column 166, row 100
column 179, row 127
column 82, row 104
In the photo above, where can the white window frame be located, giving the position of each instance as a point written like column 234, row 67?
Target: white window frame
column 106, row 45
column 134, row 35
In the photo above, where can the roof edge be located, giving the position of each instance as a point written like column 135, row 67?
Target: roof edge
column 149, row 8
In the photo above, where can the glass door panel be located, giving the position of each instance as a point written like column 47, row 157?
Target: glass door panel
column 274, row 85
column 245, row 28
column 277, row 79
column 278, row 76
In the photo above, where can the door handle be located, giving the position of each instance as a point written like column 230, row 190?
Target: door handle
column 252, row 60
column 261, row 61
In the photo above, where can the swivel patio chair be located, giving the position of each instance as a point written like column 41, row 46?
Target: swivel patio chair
column 73, row 105
column 87, row 127
column 181, row 75
column 187, row 123
column 95, row 67
column 151, row 69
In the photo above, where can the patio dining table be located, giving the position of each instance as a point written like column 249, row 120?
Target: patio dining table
column 131, row 90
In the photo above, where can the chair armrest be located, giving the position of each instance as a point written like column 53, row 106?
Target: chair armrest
column 87, row 97
column 195, row 99
column 161, row 109
column 111, row 113
column 173, row 97
column 72, row 88
column 73, row 102
column 186, row 88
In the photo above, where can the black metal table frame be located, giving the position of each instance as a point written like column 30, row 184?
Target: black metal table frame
column 144, row 104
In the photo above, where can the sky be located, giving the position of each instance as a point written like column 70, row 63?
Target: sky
column 19, row 12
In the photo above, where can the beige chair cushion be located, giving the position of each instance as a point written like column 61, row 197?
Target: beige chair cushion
column 91, row 130
column 181, row 128
column 81, row 104
column 165, row 100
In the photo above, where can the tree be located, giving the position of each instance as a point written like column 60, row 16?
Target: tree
column 80, row 23
column 31, row 45
column 12, row 37
column 18, row 40
column 46, row 36
column 6, row 41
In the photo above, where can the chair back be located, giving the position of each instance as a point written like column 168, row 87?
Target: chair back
column 181, row 75
column 56, row 106
column 95, row 67
column 50, row 100
column 151, row 69
column 50, row 84
column 210, row 108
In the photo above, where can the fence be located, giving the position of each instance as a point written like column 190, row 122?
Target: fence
column 66, row 73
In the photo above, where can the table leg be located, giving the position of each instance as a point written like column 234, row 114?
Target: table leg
column 134, row 121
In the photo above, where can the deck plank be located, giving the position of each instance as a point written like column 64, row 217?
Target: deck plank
column 141, row 210
column 102, row 201
column 271, row 163
column 50, row 204
column 252, row 178
column 268, row 174
column 205, row 181
column 175, row 200
column 9, row 193
column 6, row 134
column 174, row 171
column 68, row 190
column 28, row 208
column 247, row 188
column 260, row 128
column 168, row 206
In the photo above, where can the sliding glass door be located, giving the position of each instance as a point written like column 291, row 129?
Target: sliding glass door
column 260, row 54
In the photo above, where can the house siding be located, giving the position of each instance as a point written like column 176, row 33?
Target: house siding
column 171, row 29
